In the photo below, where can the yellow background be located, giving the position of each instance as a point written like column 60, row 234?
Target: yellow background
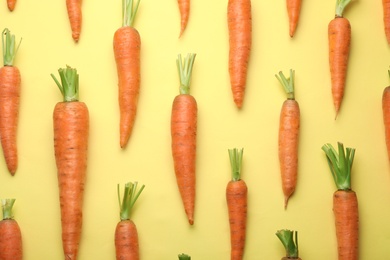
column 163, row 228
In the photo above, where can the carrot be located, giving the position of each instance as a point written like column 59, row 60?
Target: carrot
column 386, row 116
column 240, row 41
column 126, row 235
column 10, row 81
column 386, row 18
column 339, row 36
column 184, row 257
column 10, row 234
column 293, row 10
column 345, row 203
column 289, row 240
column 289, row 137
column 127, row 47
column 71, row 130
column 236, row 198
column 183, row 136
column 75, row 17
column 184, row 8
column 11, row 4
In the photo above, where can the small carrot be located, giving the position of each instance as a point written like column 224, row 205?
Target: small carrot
column 183, row 135
column 71, row 130
column 237, row 202
column 345, row 203
column 386, row 18
column 289, row 240
column 75, row 17
column 184, row 8
column 11, row 4
column 293, row 10
column 386, row 116
column 240, row 41
column 10, row 81
column 184, row 257
column 127, row 48
column 289, row 137
column 126, row 235
column 10, row 235
column 339, row 37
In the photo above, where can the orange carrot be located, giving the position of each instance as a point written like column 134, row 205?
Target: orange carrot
column 75, row 17
column 9, row 101
column 127, row 47
column 345, row 203
column 289, row 240
column 293, row 10
column 339, row 36
column 10, row 235
column 240, row 41
column 11, row 4
column 184, row 8
column 126, row 235
column 288, row 137
column 386, row 116
column 386, row 18
column 71, row 130
column 183, row 135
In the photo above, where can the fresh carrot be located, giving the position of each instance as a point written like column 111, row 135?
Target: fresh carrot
column 126, row 235
column 240, row 41
column 184, row 8
column 10, row 234
column 127, row 48
column 386, row 116
column 289, row 137
column 11, row 4
column 237, row 202
column 184, row 257
column 386, row 18
column 289, row 240
column 10, row 81
column 339, row 36
column 71, row 130
column 183, row 135
column 293, row 11
column 345, row 203
column 75, row 17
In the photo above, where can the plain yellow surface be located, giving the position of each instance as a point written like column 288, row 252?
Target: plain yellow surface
column 163, row 228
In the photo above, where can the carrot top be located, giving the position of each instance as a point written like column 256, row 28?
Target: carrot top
column 287, row 239
column 340, row 6
column 130, row 196
column 70, row 83
column 129, row 12
column 7, row 205
column 287, row 83
column 8, row 44
column 236, row 162
column 184, row 257
column 185, row 71
column 340, row 164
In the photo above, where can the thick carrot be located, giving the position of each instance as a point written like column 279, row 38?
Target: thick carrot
column 10, row 81
column 289, row 125
column 240, row 41
column 293, row 11
column 184, row 8
column 11, row 4
column 339, row 37
column 71, row 130
column 345, row 203
column 184, row 257
column 127, row 48
column 386, row 116
column 386, row 18
column 289, row 239
column 11, row 247
column 183, row 135
column 237, row 202
column 126, row 235
column 75, row 17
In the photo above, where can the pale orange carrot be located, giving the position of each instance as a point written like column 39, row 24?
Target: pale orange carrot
column 184, row 8
column 11, row 4
column 386, row 116
column 293, row 11
column 386, row 18
column 289, row 239
column 11, row 246
column 75, row 17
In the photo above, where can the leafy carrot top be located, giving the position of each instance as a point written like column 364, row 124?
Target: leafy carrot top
column 129, row 12
column 287, row 83
column 235, row 156
column 70, row 83
column 8, row 44
column 130, row 196
column 340, row 6
column 185, row 71
column 7, row 205
column 184, row 257
column 287, row 239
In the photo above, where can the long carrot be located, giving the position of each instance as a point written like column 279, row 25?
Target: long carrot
column 10, row 81
column 184, row 257
column 293, row 11
column 240, row 41
column 11, row 4
column 289, row 239
column 183, row 135
column 339, row 36
column 75, row 17
column 184, row 8
column 11, row 247
column 289, row 126
column 71, row 130
column 126, row 235
column 386, row 116
column 386, row 18
column 127, row 48
column 237, row 202
column 345, row 203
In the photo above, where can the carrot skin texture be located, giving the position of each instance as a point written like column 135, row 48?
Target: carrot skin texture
column 127, row 49
column 10, row 82
column 293, row 10
column 386, row 117
column 345, row 208
column 75, row 17
column 240, row 41
column 184, row 8
column 10, row 240
column 11, row 4
column 386, row 18
column 71, row 130
column 126, row 240
column 183, row 134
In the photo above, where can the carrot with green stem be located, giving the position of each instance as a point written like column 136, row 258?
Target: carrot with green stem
column 184, row 8
column 127, row 51
column 183, row 136
column 73, row 8
column 289, row 240
column 293, row 11
column 11, row 247
column 386, row 116
column 184, row 257
column 71, row 130
column 11, row 4
column 345, row 203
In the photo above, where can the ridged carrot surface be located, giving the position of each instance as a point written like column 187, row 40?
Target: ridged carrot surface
column 75, row 17
column 386, row 18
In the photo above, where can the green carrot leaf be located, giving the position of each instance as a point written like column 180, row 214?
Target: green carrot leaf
column 130, row 196
column 287, row 238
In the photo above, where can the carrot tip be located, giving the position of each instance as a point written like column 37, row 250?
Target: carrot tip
column 191, row 221
column 286, row 202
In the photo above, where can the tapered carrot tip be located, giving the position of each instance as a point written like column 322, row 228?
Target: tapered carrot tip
column 191, row 221
column 286, row 202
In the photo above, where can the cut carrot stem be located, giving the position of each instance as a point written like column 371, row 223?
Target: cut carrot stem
column 289, row 239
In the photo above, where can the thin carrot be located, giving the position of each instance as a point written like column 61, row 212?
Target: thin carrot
column 127, row 48
column 10, row 235
column 75, row 17
column 11, row 4
column 345, row 203
column 10, row 81
column 386, row 116
column 289, row 239
column 386, row 18
column 289, row 126
column 126, row 235
column 71, row 130
column 339, row 36
column 184, row 8
column 184, row 257
column 293, row 10
column 183, row 135
column 237, row 202
column 240, row 41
